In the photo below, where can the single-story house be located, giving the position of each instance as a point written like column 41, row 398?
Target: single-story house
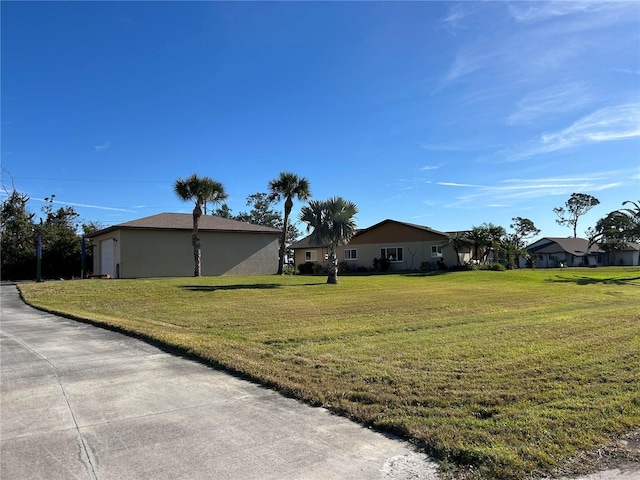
column 160, row 246
column 573, row 252
column 407, row 247
column 629, row 256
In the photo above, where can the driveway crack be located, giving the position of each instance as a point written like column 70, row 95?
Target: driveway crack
column 91, row 469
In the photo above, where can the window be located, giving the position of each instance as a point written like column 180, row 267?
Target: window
column 310, row 256
column 350, row 254
column 393, row 254
column 436, row 250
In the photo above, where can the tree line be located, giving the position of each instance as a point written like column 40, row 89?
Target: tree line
column 330, row 222
column 61, row 239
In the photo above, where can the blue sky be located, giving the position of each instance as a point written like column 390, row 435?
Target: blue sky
column 446, row 114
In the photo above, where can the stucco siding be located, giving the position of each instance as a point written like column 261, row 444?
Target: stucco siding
column 169, row 253
column 414, row 253
column 319, row 252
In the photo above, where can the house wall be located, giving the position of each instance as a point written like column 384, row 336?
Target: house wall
column 414, row 253
column 320, row 254
column 627, row 257
column 169, row 253
column 416, row 246
column 553, row 260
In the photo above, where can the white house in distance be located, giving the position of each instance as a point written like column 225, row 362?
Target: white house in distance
column 407, row 246
column 160, row 246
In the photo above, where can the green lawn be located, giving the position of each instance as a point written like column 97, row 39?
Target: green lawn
column 510, row 373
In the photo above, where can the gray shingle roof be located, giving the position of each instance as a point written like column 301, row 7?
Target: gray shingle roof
column 184, row 221
column 574, row 246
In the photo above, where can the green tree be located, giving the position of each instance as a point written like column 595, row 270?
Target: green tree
column 61, row 243
column 331, row 223
column 514, row 244
column 577, row 206
column 480, row 241
column 486, row 239
column 615, row 231
column 223, row 211
column 460, row 243
column 200, row 190
column 524, row 229
column 633, row 213
column 287, row 186
column 17, row 240
column 263, row 213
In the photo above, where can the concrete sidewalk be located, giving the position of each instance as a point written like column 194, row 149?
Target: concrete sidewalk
column 81, row 402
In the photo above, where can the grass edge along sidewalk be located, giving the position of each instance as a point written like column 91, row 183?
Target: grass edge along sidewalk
column 508, row 374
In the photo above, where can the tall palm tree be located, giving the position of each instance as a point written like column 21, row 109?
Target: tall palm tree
column 332, row 223
column 287, row 186
column 200, row 190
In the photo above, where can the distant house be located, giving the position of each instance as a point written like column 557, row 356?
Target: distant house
column 160, row 246
column 628, row 256
column 574, row 252
column 407, row 246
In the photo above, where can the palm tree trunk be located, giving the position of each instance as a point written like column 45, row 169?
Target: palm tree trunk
column 332, row 266
column 288, row 205
column 197, row 255
column 195, row 241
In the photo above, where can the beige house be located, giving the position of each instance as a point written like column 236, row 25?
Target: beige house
column 160, row 246
column 407, row 246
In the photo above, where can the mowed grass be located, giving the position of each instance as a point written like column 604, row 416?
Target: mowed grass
column 510, row 373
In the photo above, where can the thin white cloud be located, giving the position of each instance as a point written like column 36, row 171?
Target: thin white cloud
column 516, row 190
column 84, row 205
column 607, row 124
column 453, row 184
column 550, row 101
column 531, row 12
column 104, row 146
column 430, row 167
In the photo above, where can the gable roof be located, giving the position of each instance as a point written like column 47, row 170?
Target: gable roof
column 184, row 221
column 411, row 225
column 306, row 242
column 573, row 246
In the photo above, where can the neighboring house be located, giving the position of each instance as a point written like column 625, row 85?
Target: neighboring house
column 407, row 246
column 571, row 252
column 629, row 256
column 160, row 246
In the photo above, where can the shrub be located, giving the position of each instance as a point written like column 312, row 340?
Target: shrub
column 425, row 266
column 316, row 268
column 306, row 268
column 362, row 270
column 498, row 267
column 381, row 265
column 344, row 267
column 289, row 270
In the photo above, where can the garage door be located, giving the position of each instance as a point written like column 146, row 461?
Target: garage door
column 107, row 257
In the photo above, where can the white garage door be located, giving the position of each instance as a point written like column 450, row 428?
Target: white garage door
column 107, row 257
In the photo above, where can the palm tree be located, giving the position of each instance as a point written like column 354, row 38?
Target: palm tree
column 287, row 186
column 634, row 217
column 201, row 190
column 332, row 223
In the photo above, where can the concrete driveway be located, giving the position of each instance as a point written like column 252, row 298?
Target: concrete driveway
column 80, row 402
